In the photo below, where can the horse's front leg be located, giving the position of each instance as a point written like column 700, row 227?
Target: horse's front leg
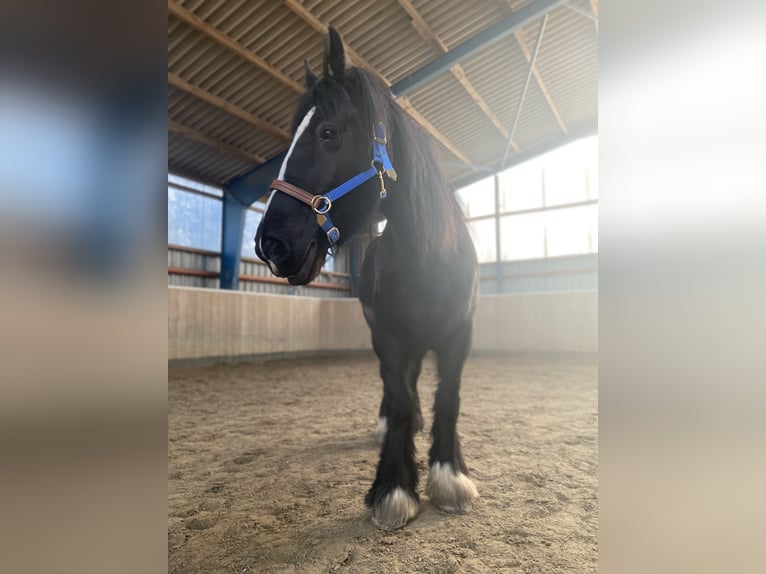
column 448, row 484
column 392, row 496
column 417, row 416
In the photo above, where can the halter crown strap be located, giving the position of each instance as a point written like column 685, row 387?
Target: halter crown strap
column 379, row 152
column 322, row 204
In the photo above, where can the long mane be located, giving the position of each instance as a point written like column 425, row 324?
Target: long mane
column 422, row 202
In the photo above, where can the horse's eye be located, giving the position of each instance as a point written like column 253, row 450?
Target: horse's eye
column 327, row 134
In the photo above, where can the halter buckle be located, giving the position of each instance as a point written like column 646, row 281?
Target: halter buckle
column 333, row 235
column 318, row 206
column 379, row 127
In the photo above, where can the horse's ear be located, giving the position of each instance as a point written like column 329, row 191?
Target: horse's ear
column 311, row 78
column 334, row 55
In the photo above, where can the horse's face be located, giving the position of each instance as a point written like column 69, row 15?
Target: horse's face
column 329, row 146
column 326, row 151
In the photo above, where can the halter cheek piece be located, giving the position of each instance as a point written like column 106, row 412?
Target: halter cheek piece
column 322, row 204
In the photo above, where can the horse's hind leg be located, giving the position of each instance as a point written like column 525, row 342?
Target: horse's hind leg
column 392, row 496
column 448, row 484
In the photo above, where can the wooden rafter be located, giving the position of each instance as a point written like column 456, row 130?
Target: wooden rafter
column 522, row 42
column 405, row 104
column 217, row 101
column 198, row 23
column 428, row 34
column 195, row 21
column 594, row 9
column 228, row 149
column 591, row 14
column 175, row 170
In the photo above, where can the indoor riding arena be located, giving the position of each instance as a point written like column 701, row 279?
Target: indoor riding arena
column 274, row 389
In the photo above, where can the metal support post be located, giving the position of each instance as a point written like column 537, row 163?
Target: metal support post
column 524, row 91
column 231, row 243
column 498, row 238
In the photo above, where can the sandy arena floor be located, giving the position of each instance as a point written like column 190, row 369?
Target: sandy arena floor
column 268, row 465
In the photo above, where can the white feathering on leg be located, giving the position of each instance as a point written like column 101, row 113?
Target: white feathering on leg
column 395, row 510
column 450, row 490
column 381, row 430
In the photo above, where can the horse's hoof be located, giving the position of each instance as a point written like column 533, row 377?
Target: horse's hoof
column 395, row 510
column 450, row 490
column 381, row 430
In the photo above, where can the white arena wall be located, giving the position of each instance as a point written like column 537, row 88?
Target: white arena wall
column 212, row 324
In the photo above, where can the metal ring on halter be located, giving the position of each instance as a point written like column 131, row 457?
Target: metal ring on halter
column 316, row 204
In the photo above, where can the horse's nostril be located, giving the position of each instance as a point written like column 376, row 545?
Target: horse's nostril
column 276, row 250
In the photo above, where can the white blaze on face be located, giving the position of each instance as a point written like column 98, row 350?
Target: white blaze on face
column 298, row 133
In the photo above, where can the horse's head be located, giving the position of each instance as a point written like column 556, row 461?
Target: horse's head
column 332, row 142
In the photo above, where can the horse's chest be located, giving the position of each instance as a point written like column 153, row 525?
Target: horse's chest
column 416, row 301
column 407, row 307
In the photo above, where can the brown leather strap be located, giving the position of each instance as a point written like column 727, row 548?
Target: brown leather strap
column 292, row 191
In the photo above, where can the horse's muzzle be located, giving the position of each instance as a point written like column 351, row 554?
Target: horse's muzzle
column 312, row 264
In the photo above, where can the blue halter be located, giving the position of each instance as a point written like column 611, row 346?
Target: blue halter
column 322, row 204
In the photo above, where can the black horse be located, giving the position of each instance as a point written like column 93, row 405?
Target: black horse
column 418, row 282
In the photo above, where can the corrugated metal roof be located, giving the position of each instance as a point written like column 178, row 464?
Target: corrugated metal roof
column 235, row 65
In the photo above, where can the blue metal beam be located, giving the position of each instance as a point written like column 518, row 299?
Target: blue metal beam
column 255, row 183
column 523, row 17
column 231, row 245
column 238, row 195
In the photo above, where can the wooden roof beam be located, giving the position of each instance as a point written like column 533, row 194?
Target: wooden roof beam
column 428, row 34
column 228, row 149
column 220, row 103
column 195, row 21
column 198, row 23
column 591, row 14
column 594, row 9
column 405, row 104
